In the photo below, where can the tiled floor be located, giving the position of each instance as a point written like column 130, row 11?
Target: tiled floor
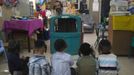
column 126, row 64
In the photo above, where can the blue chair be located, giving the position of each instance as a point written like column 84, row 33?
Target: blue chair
column 67, row 27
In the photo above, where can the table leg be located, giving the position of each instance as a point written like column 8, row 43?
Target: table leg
column 29, row 49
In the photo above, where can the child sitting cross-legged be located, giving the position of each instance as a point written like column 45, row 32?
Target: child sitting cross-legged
column 86, row 64
column 107, row 61
column 38, row 63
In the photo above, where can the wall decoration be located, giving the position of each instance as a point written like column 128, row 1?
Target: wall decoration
column 11, row 3
column 40, row 2
column 41, row 5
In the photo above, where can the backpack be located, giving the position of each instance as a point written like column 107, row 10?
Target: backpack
column 38, row 68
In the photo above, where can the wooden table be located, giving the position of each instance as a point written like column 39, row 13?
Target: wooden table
column 27, row 25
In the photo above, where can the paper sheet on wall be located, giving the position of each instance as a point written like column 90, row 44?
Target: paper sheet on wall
column 0, row 11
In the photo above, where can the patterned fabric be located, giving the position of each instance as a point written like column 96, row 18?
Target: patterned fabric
column 38, row 65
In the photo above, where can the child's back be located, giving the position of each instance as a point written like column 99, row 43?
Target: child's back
column 61, row 61
column 107, row 64
column 86, row 64
column 38, row 64
column 14, row 61
column 107, row 61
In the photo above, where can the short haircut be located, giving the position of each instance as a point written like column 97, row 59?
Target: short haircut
column 13, row 46
column 40, row 44
column 60, row 45
column 104, row 46
column 85, row 49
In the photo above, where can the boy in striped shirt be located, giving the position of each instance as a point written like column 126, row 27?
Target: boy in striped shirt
column 107, row 61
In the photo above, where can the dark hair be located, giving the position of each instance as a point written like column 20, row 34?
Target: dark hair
column 104, row 46
column 60, row 45
column 14, row 46
column 85, row 49
column 40, row 44
column 59, row 3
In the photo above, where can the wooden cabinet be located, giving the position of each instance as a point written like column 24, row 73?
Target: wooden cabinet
column 120, row 39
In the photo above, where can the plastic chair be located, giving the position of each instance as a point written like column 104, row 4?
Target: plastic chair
column 130, row 52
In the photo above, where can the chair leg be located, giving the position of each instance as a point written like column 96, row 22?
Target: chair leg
column 97, row 42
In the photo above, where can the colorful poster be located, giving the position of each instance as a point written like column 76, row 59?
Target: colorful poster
column 41, row 2
column 41, row 5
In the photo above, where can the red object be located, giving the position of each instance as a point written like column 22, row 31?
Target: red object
column 1, row 2
column 43, row 13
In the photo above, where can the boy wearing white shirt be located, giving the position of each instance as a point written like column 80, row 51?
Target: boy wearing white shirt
column 61, row 61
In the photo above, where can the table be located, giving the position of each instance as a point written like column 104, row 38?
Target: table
column 26, row 25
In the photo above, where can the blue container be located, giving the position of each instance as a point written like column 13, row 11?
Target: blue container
column 67, row 27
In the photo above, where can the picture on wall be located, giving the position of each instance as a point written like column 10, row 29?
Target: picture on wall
column 40, row 2
column 41, row 5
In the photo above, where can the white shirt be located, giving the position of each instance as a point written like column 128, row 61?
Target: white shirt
column 61, row 63
column 108, row 60
column 48, row 14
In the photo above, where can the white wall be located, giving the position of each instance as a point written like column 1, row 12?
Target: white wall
column 23, row 9
column 96, row 5
column 33, row 3
column 90, row 5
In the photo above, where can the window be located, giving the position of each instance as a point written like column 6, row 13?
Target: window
column 95, row 5
column 65, row 25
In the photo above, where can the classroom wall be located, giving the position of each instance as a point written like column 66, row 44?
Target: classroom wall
column 22, row 9
column 95, row 15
